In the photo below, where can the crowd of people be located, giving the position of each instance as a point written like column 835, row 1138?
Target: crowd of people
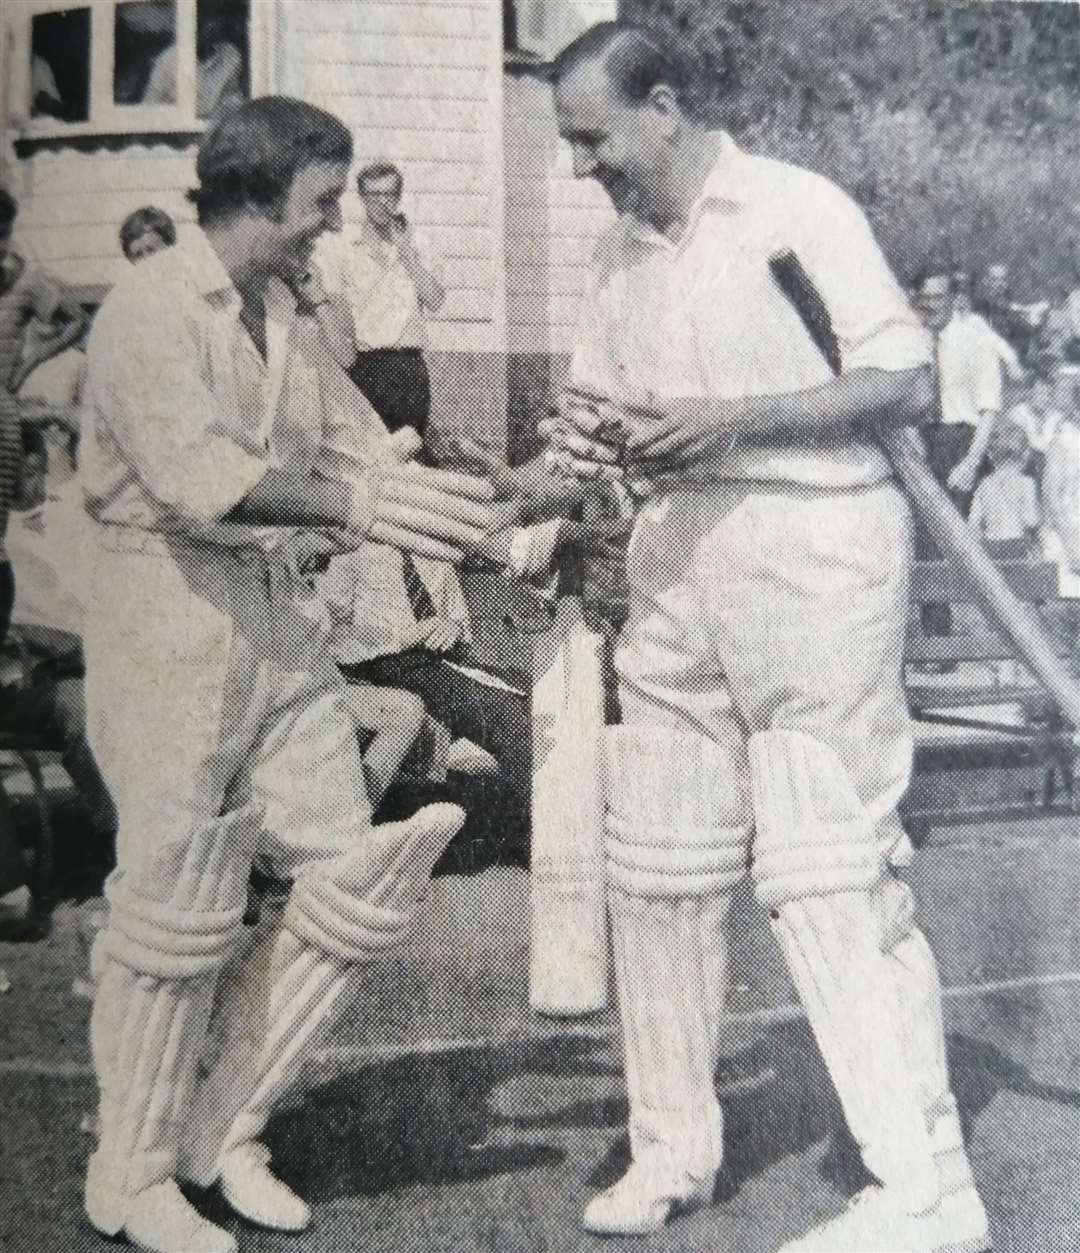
column 1006, row 439
column 257, row 466
column 428, row 720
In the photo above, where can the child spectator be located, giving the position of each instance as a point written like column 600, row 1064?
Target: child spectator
column 1038, row 415
column 1005, row 508
column 146, row 231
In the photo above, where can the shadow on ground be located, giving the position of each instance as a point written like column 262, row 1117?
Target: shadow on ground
column 428, row 1119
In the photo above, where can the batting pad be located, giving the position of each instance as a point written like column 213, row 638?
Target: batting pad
column 172, row 924
column 341, row 913
column 813, row 835
column 671, row 973
column 677, row 823
column 817, row 865
column 917, row 986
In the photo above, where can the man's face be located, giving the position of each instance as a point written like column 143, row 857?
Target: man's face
column 626, row 148
column 145, row 245
column 312, row 206
column 382, row 200
column 996, row 283
column 934, row 302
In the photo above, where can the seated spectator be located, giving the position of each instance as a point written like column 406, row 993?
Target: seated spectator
column 1005, row 508
column 146, row 231
column 401, row 622
column 1038, row 414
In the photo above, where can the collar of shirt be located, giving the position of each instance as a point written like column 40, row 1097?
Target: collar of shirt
column 205, row 269
column 725, row 190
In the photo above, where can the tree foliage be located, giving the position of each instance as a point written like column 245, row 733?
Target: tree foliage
column 956, row 125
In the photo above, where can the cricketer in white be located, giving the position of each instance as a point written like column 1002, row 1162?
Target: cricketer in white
column 764, row 720
column 214, row 708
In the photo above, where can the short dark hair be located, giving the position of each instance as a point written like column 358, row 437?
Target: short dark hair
column 637, row 59
column 937, row 270
column 251, row 156
column 379, row 169
column 9, row 208
column 148, row 218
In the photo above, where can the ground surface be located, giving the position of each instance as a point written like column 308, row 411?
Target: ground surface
column 445, row 1118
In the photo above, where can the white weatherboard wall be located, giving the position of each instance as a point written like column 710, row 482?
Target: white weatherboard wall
column 417, row 81
column 421, row 85
column 553, row 223
column 553, row 219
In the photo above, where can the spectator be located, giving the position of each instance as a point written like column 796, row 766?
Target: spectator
column 1039, row 416
column 1005, row 507
column 377, row 273
column 146, row 231
column 1061, row 333
column 969, row 368
column 1012, row 321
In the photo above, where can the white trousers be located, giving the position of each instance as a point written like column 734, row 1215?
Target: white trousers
column 771, row 622
column 217, row 719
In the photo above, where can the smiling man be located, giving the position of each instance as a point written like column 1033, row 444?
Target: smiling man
column 214, row 706
column 741, row 338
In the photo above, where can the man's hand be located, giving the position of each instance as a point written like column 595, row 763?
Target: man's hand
column 680, row 438
column 445, row 634
column 310, row 291
column 434, row 513
column 586, row 435
column 962, row 476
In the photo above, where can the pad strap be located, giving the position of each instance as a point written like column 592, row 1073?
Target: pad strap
column 341, row 925
column 158, row 939
column 667, row 861
column 676, row 823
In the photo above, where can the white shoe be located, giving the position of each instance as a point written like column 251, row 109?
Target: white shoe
column 641, row 1203
column 966, row 1228
column 257, row 1194
column 160, row 1220
column 875, row 1221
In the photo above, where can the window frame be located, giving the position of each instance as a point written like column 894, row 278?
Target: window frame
column 107, row 117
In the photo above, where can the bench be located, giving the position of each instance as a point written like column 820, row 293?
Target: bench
column 983, row 749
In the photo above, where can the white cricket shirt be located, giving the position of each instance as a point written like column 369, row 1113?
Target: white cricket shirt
column 704, row 316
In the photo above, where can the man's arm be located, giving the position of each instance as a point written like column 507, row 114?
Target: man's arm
column 429, row 291
column 962, row 476
column 696, row 431
column 988, row 398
